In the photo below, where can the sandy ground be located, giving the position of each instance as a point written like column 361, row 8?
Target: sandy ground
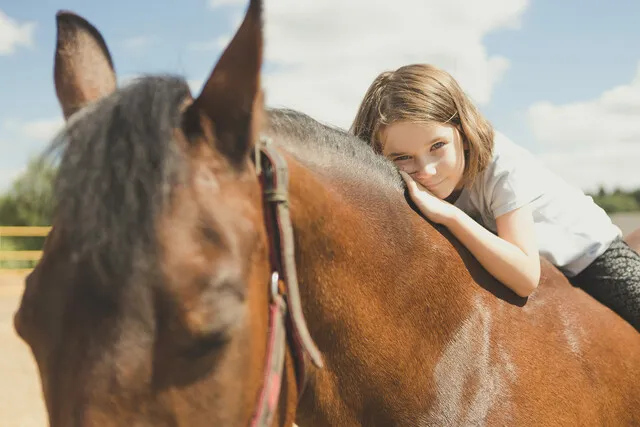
column 20, row 396
column 21, row 403
column 627, row 222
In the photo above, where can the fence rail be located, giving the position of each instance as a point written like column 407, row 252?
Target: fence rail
column 14, row 260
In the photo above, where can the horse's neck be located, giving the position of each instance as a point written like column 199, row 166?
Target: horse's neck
column 380, row 286
column 375, row 242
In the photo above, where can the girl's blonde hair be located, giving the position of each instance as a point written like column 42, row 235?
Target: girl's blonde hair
column 422, row 93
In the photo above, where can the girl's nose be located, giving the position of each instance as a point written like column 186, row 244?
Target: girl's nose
column 430, row 169
column 426, row 169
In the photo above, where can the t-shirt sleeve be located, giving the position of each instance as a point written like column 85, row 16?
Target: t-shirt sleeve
column 511, row 185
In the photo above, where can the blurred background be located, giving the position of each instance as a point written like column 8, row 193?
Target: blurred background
column 560, row 78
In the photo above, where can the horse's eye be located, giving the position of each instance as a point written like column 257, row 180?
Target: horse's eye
column 206, row 345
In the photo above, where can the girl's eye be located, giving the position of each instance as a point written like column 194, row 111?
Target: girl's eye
column 401, row 158
column 437, row 145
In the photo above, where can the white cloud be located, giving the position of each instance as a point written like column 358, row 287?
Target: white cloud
column 326, row 53
column 610, row 118
column 609, row 165
column 219, row 3
column 15, row 151
column 20, row 140
column 41, row 130
column 137, row 43
column 595, row 141
column 14, row 34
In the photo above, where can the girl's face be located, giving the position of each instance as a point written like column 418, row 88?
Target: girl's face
column 433, row 154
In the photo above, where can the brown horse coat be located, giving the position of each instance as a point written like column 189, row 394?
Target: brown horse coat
column 150, row 304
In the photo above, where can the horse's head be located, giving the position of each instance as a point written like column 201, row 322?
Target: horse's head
column 153, row 293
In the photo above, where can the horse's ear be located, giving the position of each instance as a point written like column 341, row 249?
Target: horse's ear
column 83, row 70
column 231, row 100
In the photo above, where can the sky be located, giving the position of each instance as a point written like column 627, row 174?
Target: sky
column 560, row 78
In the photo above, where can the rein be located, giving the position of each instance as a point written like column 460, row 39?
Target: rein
column 286, row 319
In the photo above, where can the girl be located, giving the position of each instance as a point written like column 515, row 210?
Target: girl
column 460, row 173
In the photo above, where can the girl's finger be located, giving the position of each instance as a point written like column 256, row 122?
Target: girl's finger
column 411, row 184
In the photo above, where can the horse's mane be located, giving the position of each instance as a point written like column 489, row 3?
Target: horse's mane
column 117, row 164
column 115, row 178
column 331, row 150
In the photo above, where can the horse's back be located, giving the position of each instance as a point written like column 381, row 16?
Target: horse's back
column 633, row 239
column 556, row 358
column 572, row 353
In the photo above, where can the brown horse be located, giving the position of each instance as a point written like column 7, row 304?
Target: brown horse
column 633, row 239
column 167, row 292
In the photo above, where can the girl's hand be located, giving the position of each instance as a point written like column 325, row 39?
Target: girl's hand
column 437, row 210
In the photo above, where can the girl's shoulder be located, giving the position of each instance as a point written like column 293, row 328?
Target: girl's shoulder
column 510, row 180
column 510, row 163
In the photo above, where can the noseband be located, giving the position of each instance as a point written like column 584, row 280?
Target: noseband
column 286, row 319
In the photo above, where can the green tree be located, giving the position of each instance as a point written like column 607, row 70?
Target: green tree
column 618, row 200
column 29, row 201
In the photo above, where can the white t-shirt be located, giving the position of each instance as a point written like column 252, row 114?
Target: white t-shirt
column 571, row 230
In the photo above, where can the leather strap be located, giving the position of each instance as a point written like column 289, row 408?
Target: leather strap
column 285, row 311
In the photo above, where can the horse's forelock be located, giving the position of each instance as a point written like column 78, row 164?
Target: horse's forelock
column 117, row 163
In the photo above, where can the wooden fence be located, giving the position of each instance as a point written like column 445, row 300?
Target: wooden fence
column 11, row 257
column 12, row 260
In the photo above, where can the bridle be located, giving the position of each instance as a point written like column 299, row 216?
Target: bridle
column 285, row 310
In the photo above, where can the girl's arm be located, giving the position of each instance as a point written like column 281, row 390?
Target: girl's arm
column 512, row 256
